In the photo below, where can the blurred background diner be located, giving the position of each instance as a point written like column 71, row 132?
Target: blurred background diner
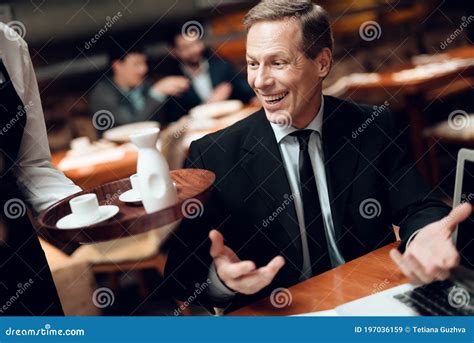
column 106, row 69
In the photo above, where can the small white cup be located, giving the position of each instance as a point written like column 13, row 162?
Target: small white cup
column 85, row 208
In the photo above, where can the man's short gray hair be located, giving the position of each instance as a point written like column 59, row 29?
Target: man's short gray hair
column 313, row 19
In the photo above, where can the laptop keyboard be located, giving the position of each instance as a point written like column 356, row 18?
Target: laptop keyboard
column 440, row 298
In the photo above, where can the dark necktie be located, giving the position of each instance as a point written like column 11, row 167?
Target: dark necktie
column 316, row 236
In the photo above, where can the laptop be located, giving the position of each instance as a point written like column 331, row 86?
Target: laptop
column 453, row 297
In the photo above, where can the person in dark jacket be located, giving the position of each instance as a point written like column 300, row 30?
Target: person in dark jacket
column 211, row 78
column 127, row 93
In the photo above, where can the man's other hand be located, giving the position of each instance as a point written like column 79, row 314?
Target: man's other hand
column 432, row 254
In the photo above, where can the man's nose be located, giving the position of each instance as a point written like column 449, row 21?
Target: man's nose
column 263, row 78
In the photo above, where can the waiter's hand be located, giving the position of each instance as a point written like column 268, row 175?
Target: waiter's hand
column 432, row 254
column 241, row 276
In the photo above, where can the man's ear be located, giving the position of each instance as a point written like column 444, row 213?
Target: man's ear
column 324, row 62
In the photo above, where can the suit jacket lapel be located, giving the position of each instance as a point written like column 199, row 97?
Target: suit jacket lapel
column 264, row 166
column 341, row 154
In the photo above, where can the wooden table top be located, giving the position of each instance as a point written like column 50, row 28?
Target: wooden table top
column 358, row 278
column 98, row 174
column 387, row 82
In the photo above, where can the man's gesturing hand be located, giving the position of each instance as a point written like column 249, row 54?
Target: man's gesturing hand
column 241, row 276
column 431, row 255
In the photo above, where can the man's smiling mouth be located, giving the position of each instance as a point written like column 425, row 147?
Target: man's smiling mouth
column 273, row 99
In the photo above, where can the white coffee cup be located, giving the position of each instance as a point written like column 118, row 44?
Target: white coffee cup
column 85, row 208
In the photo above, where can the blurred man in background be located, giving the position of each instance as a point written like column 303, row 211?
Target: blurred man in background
column 211, row 78
column 127, row 93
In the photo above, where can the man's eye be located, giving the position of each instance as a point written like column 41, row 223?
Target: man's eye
column 251, row 64
column 278, row 63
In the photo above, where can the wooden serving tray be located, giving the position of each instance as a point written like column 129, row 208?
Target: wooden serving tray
column 192, row 186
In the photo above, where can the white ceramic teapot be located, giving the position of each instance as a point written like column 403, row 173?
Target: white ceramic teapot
column 155, row 186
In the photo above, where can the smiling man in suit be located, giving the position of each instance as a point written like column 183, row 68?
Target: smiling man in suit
column 297, row 192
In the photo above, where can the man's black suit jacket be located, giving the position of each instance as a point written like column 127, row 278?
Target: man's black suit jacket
column 251, row 187
column 220, row 71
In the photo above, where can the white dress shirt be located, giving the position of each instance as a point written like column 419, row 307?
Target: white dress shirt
column 39, row 182
column 202, row 82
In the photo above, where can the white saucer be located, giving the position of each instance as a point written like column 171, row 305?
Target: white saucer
column 130, row 196
column 70, row 222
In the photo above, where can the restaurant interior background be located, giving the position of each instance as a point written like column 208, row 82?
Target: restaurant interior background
column 414, row 57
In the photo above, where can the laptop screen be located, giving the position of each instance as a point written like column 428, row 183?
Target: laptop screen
column 465, row 237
